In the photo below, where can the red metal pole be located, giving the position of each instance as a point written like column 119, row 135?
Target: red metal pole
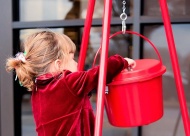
column 103, row 67
column 175, row 66
column 86, row 34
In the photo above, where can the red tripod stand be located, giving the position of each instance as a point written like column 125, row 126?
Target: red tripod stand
column 104, row 55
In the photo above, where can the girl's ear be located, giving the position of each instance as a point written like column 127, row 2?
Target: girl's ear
column 58, row 64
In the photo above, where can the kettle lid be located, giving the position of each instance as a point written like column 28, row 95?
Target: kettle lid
column 145, row 69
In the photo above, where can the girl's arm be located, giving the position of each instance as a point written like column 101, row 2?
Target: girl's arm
column 82, row 82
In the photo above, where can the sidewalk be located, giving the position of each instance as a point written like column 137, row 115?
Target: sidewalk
column 163, row 127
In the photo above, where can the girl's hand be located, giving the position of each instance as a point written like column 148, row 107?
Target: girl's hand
column 131, row 62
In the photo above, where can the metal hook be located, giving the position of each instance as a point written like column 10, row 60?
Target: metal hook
column 123, row 27
column 123, row 17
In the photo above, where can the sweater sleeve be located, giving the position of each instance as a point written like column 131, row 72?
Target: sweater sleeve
column 82, row 82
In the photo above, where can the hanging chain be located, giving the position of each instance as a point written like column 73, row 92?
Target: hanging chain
column 124, row 8
column 123, row 17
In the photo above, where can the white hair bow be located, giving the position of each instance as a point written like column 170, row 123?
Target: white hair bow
column 20, row 56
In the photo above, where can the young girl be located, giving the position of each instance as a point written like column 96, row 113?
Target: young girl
column 60, row 100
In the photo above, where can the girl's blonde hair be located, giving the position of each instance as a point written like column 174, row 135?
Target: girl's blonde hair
column 41, row 48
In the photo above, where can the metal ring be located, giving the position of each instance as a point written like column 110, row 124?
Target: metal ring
column 123, row 16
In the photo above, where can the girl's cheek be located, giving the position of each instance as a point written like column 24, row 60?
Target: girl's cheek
column 72, row 55
column 75, row 67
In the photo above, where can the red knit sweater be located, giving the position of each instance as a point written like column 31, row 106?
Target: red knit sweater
column 61, row 105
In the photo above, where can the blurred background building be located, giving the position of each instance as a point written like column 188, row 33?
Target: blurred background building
column 18, row 18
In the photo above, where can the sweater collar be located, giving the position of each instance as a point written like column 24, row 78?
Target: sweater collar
column 47, row 78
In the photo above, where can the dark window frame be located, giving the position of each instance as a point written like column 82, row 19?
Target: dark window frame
column 12, row 27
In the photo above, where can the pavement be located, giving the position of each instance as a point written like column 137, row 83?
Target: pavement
column 169, row 125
